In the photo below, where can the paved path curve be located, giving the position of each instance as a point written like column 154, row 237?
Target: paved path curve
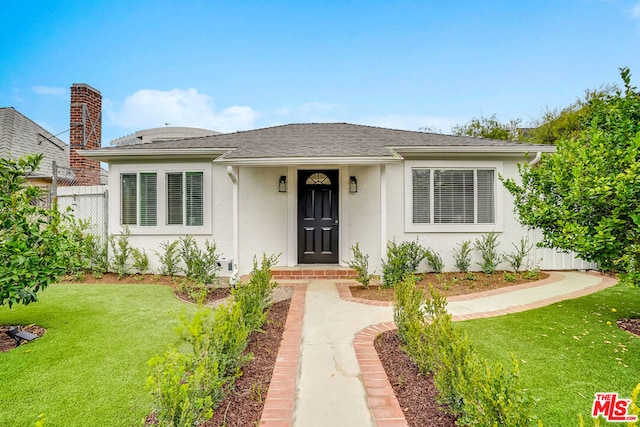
column 329, row 371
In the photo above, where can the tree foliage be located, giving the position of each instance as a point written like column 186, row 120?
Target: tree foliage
column 585, row 197
column 33, row 250
column 490, row 127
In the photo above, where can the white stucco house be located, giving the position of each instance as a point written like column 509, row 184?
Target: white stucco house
column 311, row 191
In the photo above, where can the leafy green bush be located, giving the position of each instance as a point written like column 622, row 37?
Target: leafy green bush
column 488, row 247
column 462, row 256
column 169, row 258
column 200, row 266
column 360, row 264
column 435, row 260
column 178, row 386
column 121, row 251
column 254, row 296
column 520, row 252
column 140, row 260
column 35, row 251
column 402, row 259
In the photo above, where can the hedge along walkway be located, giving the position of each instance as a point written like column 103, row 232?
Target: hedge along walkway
column 328, row 372
column 557, row 287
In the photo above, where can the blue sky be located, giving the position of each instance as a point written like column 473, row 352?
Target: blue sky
column 247, row 64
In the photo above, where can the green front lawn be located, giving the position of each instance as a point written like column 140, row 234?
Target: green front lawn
column 89, row 368
column 568, row 351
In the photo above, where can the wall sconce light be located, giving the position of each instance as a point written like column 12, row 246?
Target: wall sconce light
column 282, row 184
column 353, row 184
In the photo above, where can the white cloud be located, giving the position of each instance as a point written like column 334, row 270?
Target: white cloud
column 148, row 108
column 47, row 90
column 413, row 122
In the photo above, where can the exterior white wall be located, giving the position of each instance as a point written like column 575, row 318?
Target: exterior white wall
column 363, row 223
column 267, row 219
column 263, row 215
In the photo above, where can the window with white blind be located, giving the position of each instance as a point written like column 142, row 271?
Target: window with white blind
column 185, row 198
column 451, row 198
column 139, row 198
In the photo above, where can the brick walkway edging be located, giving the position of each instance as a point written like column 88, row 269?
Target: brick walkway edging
column 384, row 405
column 281, row 396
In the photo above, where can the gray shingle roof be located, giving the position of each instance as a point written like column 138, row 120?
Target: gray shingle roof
column 324, row 140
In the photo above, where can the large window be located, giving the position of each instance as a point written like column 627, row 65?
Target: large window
column 139, row 198
column 185, row 198
column 451, row 198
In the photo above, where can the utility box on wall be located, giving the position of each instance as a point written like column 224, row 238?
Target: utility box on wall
column 226, row 265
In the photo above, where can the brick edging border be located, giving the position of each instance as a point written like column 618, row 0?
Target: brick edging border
column 281, row 396
column 384, row 406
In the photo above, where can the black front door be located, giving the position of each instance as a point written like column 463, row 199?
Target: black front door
column 318, row 217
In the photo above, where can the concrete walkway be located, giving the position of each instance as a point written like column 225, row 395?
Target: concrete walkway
column 340, row 380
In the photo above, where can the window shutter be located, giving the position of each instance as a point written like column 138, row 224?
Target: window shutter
column 486, row 197
column 421, row 199
column 453, row 197
column 148, row 199
column 174, row 199
column 194, row 199
column 129, row 199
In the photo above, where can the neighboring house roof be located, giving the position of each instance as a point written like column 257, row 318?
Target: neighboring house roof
column 161, row 134
column 19, row 135
column 316, row 142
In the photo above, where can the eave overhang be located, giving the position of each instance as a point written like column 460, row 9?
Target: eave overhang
column 153, row 153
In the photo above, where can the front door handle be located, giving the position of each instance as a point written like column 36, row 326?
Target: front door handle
column 335, row 222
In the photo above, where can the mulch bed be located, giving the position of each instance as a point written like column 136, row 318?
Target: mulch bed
column 415, row 393
column 7, row 343
column 448, row 284
column 630, row 325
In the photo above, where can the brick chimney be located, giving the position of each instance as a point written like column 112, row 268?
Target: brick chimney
column 85, row 132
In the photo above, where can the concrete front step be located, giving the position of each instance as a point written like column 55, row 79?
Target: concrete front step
column 312, row 272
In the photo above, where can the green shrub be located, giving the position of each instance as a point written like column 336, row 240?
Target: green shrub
column 360, row 264
column 229, row 335
column 169, row 258
column 178, row 386
column 434, row 260
column 509, row 277
column 200, row 266
column 254, row 296
column 121, row 251
column 402, row 259
column 140, row 260
column 462, row 256
column 488, row 247
column 517, row 257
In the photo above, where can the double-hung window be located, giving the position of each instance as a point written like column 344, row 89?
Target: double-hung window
column 139, row 198
column 185, row 201
column 451, row 198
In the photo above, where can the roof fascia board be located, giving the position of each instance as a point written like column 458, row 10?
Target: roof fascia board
column 475, row 149
column 167, row 153
column 279, row 161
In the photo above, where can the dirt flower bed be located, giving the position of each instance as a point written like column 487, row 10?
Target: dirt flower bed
column 416, row 394
column 450, row 284
column 7, row 343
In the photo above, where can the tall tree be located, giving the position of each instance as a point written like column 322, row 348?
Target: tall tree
column 34, row 251
column 586, row 197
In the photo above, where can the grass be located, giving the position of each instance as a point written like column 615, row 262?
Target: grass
column 567, row 351
column 90, row 367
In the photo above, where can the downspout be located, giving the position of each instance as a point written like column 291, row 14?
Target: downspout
column 233, row 176
column 536, row 159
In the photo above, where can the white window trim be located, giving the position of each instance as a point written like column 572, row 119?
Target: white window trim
column 410, row 227
column 162, row 228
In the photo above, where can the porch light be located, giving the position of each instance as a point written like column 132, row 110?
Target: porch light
column 353, row 184
column 282, row 184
